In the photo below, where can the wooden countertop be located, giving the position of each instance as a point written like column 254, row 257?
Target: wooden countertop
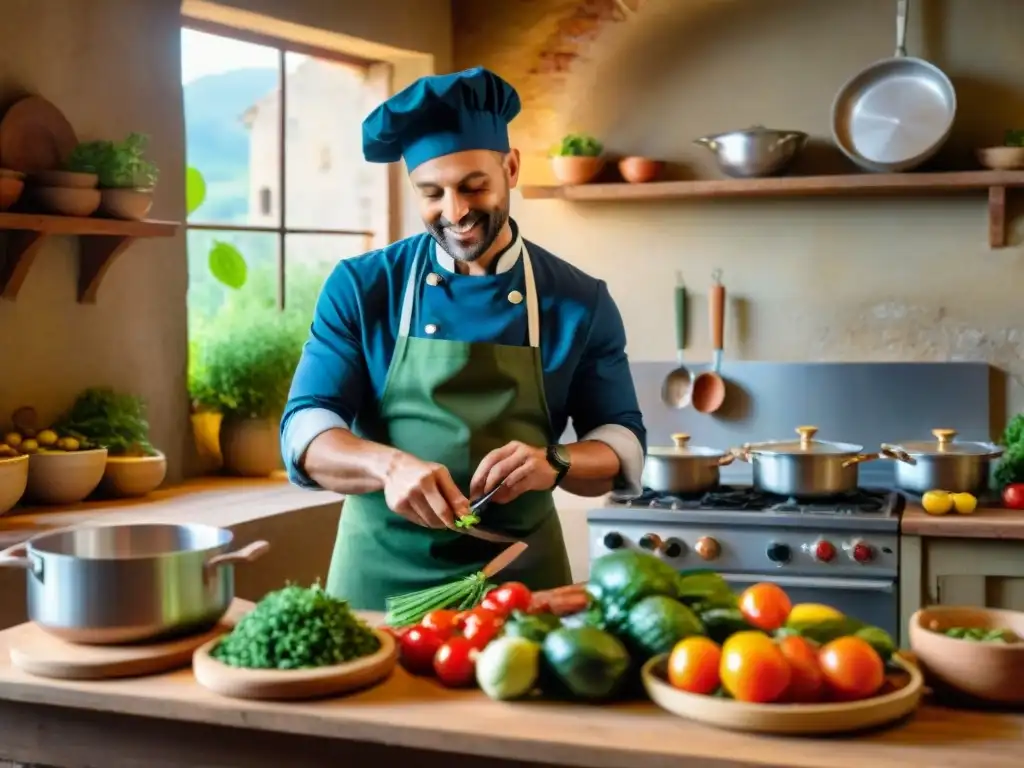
column 418, row 713
column 984, row 523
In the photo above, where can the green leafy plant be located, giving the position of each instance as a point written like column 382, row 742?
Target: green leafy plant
column 579, row 145
column 227, row 265
column 1015, row 137
column 87, row 157
column 242, row 366
column 112, row 420
column 120, row 164
column 1010, row 468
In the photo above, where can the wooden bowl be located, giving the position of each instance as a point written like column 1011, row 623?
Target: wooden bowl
column 991, row 672
column 900, row 697
column 640, row 170
column 574, row 169
column 294, row 684
column 1001, row 158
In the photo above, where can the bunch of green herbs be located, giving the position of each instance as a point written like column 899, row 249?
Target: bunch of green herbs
column 108, row 419
column 578, row 145
column 119, row 164
column 1010, row 468
column 297, row 628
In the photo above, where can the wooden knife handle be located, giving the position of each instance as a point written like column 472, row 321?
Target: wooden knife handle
column 716, row 315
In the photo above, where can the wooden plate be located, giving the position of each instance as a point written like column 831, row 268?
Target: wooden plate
column 900, row 697
column 35, row 136
column 293, row 684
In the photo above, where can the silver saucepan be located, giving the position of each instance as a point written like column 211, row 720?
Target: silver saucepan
column 109, row 584
column 682, row 468
column 944, row 464
column 807, row 468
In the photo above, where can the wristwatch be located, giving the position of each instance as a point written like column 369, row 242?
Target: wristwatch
column 558, row 457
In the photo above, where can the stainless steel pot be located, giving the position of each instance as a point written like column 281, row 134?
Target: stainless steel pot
column 754, row 152
column 806, row 468
column 683, row 468
column 944, row 464
column 108, row 584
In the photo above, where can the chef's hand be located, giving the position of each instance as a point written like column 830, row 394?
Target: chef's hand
column 526, row 468
column 423, row 492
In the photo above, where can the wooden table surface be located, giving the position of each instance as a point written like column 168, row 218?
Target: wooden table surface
column 984, row 523
column 168, row 720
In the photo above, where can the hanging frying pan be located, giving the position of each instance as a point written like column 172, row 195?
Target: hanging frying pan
column 897, row 113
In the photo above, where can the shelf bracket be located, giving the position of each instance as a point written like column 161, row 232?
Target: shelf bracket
column 95, row 256
column 16, row 260
column 997, row 217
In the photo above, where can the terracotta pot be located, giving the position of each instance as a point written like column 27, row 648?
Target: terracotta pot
column 251, row 447
column 130, row 204
column 67, row 201
column 572, row 169
column 130, row 476
column 640, row 170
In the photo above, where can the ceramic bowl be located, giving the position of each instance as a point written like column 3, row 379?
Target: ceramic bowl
column 130, row 476
column 65, row 179
column 1002, row 158
column 64, row 477
column 13, row 480
column 574, row 169
column 986, row 671
column 130, row 204
column 640, row 170
column 67, row 201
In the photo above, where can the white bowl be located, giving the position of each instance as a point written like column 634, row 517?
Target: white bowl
column 13, row 479
column 127, row 476
column 64, row 477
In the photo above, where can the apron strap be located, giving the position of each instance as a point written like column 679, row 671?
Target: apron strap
column 530, row 284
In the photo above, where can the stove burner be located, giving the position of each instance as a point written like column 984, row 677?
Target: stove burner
column 747, row 498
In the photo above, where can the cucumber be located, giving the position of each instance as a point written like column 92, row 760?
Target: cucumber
column 584, row 662
column 655, row 624
column 721, row 623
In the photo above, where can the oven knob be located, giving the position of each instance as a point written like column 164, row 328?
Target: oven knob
column 824, row 551
column 778, row 553
column 706, row 548
column 651, row 542
column 862, row 553
column 613, row 540
column 672, row 548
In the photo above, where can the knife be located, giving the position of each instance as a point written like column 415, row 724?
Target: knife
column 502, row 561
column 483, row 533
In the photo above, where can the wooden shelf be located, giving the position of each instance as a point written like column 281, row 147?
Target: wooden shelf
column 101, row 241
column 994, row 182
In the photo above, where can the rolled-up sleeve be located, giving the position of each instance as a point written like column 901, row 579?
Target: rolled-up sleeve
column 602, row 398
column 331, row 379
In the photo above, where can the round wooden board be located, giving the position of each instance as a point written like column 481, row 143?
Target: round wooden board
column 39, row 653
column 35, row 136
column 294, row 684
column 902, row 697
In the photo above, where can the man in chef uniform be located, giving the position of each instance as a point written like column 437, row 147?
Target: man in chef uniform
column 444, row 363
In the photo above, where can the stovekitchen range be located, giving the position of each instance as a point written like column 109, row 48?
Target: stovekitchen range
column 802, row 522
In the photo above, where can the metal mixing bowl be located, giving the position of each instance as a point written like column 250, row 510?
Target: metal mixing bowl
column 755, row 152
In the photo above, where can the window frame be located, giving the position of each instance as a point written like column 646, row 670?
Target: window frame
column 282, row 230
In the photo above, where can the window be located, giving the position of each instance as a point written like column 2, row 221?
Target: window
column 274, row 130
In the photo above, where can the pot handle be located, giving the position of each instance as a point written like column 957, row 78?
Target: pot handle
column 743, row 453
column 246, row 554
column 897, row 454
column 860, row 459
column 17, row 557
column 726, row 459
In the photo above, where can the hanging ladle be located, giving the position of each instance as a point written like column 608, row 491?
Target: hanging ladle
column 677, row 388
column 709, row 386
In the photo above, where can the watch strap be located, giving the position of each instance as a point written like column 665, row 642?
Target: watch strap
column 557, row 458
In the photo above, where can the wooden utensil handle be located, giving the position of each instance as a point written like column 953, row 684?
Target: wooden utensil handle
column 716, row 315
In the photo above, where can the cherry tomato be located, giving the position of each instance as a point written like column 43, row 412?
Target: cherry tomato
column 512, row 596
column 1013, row 496
column 455, row 663
column 805, row 679
column 693, row 665
column 852, row 668
column 489, row 603
column 418, row 647
column 765, row 606
column 442, row 621
column 753, row 668
column 395, row 632
column 481, row 626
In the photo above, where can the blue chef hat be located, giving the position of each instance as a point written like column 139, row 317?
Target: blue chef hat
column 439, row 115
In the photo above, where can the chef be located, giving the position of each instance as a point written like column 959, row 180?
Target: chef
column 442, row 364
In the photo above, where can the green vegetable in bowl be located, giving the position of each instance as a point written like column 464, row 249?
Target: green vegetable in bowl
column 297, row 628
column 981, row 635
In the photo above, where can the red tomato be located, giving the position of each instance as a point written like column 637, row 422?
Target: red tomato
column 442, row 621
column 455, row 663
column 418, row 647
column 489, row 603
column 395, row 632
column 512, row 596
column 765, row 606
column 1013, row 496
column 481, row 626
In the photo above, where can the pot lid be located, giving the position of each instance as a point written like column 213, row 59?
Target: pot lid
column 806, row 444
column 946, row 444
column 682, row 447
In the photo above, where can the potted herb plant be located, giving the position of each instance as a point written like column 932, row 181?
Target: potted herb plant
column 577, row 159
column 71, row 191
column 115, row 421
column 126, row 178
column 243, row 369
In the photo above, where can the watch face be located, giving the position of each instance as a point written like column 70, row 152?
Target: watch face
column 561, row 455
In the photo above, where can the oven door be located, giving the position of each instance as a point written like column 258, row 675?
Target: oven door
column 873, row 601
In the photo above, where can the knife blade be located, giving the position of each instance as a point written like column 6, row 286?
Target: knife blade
column 502, row 561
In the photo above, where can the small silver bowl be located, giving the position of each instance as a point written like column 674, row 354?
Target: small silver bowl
column 755, row 152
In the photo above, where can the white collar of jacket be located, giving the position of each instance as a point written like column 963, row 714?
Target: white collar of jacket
column 506, row 261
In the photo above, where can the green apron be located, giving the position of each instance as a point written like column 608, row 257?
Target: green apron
column 452, row 402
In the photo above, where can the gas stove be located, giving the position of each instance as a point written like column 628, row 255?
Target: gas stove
column 842, row 551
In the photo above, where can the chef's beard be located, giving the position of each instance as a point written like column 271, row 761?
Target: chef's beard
column 492, row 221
